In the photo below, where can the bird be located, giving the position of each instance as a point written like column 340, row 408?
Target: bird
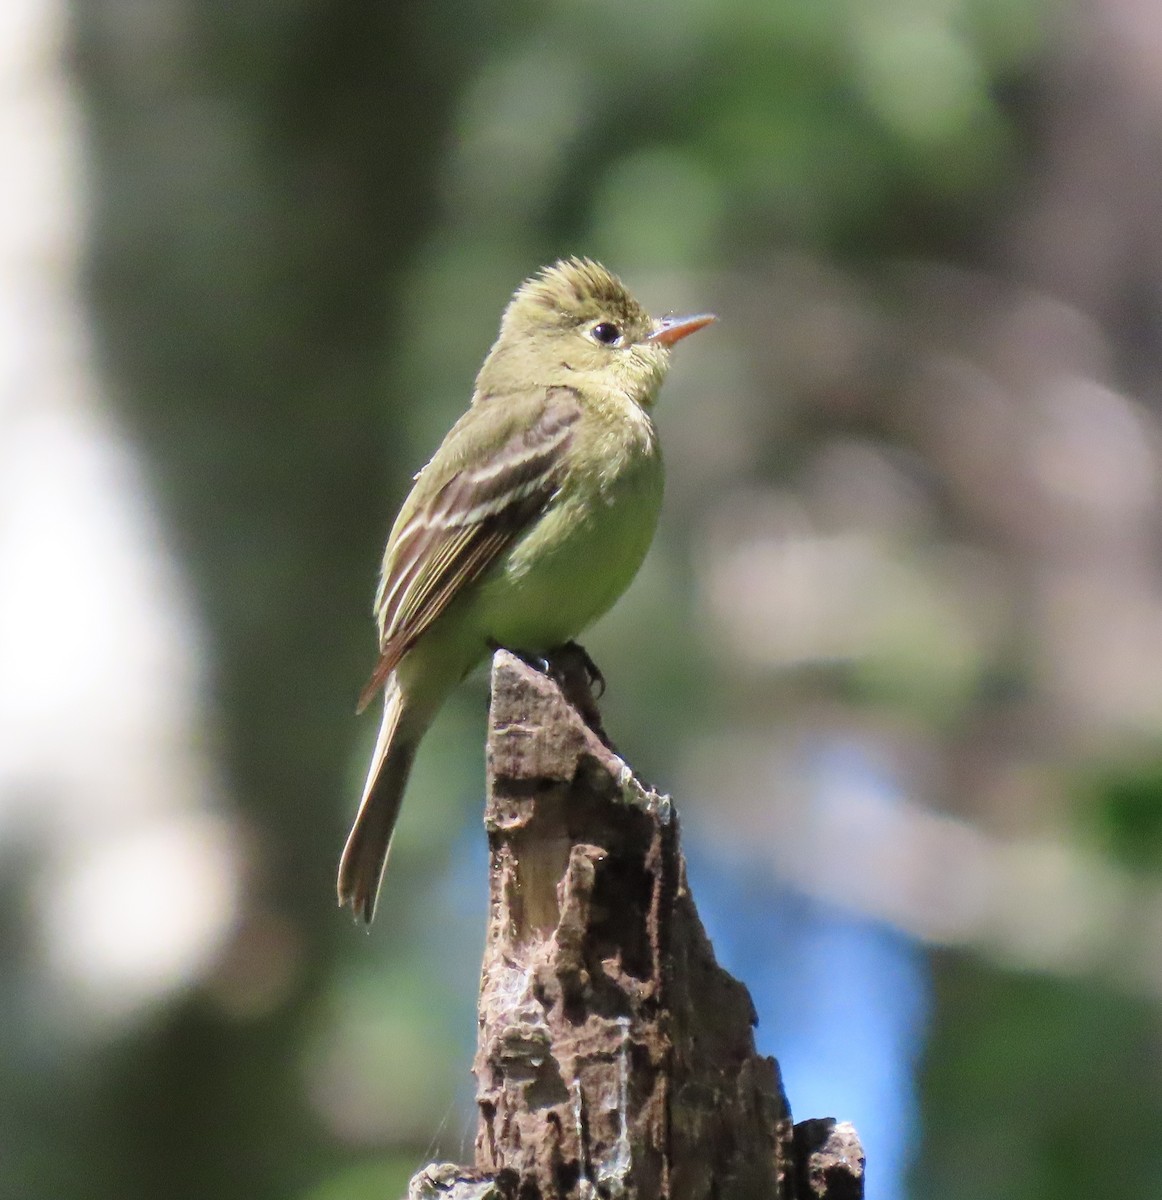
column 529, row 521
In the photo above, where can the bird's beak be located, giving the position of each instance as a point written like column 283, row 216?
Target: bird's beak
column 669, row 330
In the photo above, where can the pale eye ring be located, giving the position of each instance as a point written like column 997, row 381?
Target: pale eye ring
column 606, row 333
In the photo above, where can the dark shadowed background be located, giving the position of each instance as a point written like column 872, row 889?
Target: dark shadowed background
column 897, row 651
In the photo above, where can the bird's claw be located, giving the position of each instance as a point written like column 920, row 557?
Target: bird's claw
column 592, row 670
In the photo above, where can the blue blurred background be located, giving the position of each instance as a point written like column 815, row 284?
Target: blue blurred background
column 896, row 651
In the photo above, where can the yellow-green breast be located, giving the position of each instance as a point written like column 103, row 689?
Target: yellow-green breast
column 584, row 551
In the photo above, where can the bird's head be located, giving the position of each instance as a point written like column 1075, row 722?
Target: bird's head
column 575, row 324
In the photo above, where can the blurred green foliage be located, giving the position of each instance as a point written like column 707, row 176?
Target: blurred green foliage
column 1123, row 812
column 1037, row 1088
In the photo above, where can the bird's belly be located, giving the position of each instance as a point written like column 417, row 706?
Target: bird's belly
column 573, row 564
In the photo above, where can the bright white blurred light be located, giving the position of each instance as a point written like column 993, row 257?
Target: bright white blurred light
column 129, row 917
column 102, row 782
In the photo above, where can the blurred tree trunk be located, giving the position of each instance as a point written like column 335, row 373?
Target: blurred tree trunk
column 261, row 173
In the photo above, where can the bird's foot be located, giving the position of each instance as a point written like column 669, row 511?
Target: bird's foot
column 592, row 670
column 562, row 664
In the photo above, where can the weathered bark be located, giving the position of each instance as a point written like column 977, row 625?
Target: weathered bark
column 828, row 1160
column 615, row 1056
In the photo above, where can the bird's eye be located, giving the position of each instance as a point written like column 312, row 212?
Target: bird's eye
column 606, row 333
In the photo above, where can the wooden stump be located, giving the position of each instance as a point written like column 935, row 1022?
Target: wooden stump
column 615, row 1057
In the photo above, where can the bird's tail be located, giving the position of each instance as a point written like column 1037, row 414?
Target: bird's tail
column 365, row 854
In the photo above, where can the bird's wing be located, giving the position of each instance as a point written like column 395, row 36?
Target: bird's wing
column 467, row 508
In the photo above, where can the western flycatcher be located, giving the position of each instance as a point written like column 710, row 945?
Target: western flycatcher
column 530, row 520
